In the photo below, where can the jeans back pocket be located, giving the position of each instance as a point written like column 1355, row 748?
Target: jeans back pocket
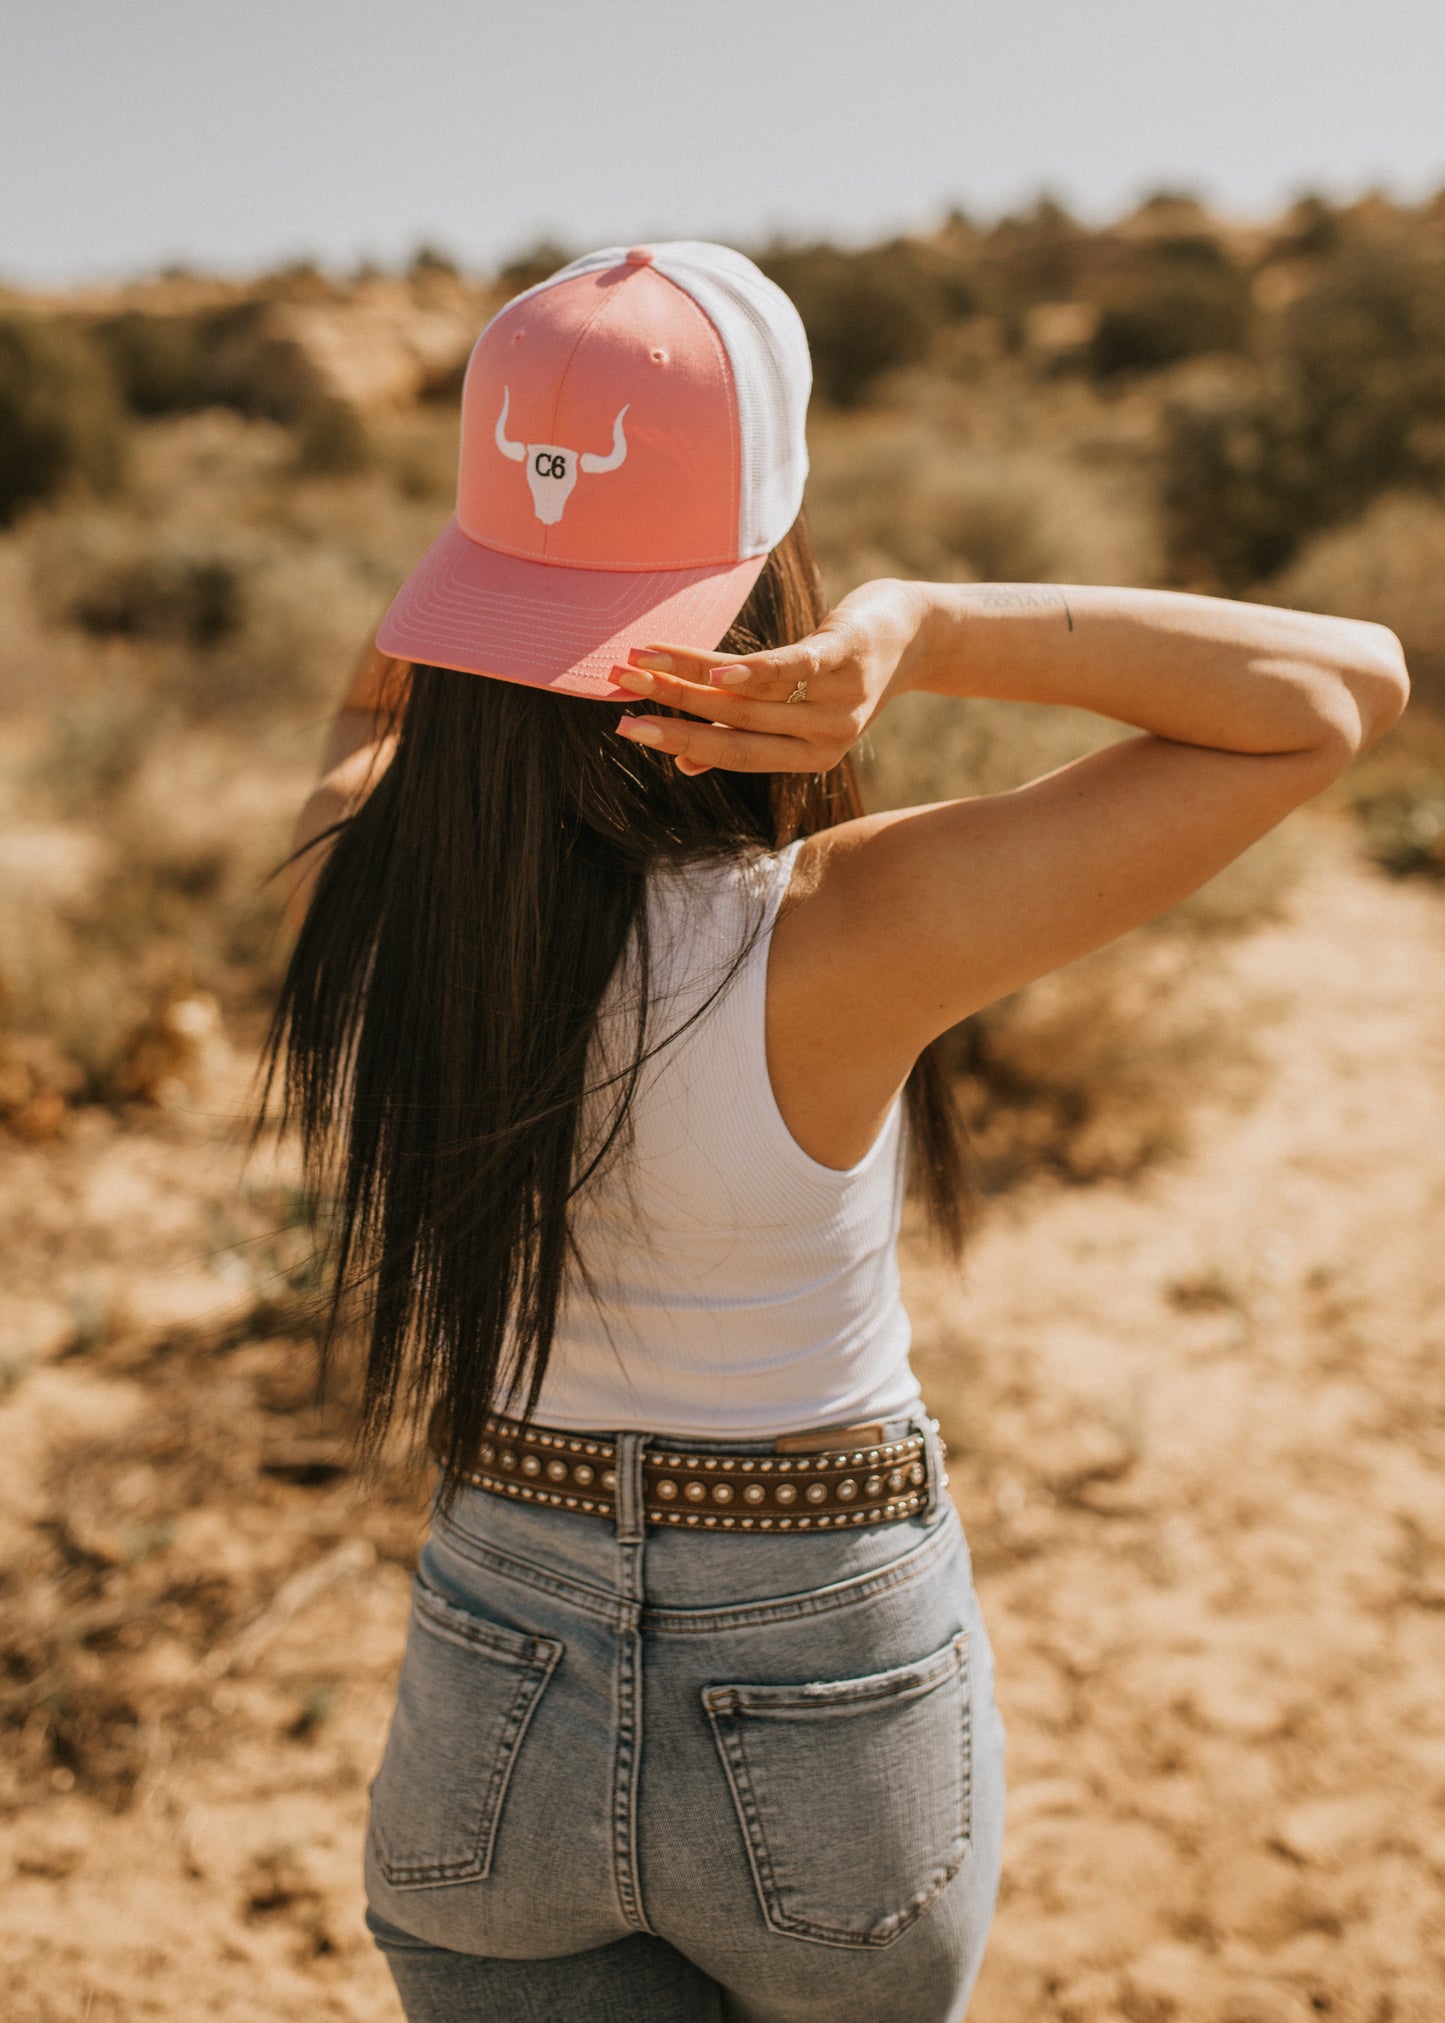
column 468, row 1690
column 854, row 1796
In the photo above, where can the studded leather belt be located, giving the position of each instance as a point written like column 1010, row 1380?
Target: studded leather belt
column 822, row 1481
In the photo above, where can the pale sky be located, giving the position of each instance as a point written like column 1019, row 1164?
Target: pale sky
column 134, row 133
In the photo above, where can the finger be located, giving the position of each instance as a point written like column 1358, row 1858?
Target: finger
column 698, row 699
column 693, row 663
column 766, row 677
column 774, row 676
column 721, row 745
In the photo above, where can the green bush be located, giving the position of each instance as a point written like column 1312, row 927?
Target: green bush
column 189, row 592
column 1184, row 298
column 1348, row 402
column 1035, row 256
column 536, row 264
column 866, row 313
column 61, row 421
column 1388, row 565
column 162, row 364
column 331, row 440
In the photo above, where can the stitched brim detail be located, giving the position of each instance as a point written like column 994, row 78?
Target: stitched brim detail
column 482, row 612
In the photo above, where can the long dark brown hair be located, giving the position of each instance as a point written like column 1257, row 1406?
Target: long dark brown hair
column 433, row 1032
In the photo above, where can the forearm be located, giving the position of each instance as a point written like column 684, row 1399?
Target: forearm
column 1199, row 670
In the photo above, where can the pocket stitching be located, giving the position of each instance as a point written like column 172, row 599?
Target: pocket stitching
column 537, row 1659
column 724, row 1702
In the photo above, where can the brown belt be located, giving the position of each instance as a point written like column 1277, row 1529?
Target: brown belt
column 817, row 1481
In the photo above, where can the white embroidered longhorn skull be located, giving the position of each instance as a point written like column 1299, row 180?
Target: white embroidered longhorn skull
column 551, row 469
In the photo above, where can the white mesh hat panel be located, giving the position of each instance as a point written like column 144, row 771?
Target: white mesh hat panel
column 762, row 334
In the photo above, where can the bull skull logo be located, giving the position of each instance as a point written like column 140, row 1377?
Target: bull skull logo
column 552, row 470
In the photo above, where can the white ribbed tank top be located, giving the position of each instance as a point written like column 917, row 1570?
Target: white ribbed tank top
column 738, row 1287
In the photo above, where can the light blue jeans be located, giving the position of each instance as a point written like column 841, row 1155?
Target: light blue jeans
column 665, row 1776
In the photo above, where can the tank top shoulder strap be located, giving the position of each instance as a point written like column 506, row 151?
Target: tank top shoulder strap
column 711, row 924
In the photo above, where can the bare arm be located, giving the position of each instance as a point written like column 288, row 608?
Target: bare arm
column 1199, row 670
column 357, row 752
column 906, row 922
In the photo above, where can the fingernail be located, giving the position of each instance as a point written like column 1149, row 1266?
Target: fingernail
column 690, row 768
column 632, row 681
column 729, row 677
column 641, row 733
column 641, row 656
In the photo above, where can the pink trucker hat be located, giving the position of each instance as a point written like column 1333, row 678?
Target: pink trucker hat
column 632, row 447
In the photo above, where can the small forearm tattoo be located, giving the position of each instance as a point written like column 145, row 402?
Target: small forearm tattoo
column 1004, row 598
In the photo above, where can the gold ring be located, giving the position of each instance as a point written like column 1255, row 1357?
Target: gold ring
column 800, row 693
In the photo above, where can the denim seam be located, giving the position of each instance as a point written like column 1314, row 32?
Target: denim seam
column 617, row 1614
column 537, row 1670
column 728, row 1735
column 624, row 1779
column 845, row 1594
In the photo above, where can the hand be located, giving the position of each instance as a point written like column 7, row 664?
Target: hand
column 846, row 671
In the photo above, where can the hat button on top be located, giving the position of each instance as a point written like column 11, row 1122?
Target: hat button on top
column 640, row 256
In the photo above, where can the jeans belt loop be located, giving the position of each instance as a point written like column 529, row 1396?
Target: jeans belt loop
column 631, row 1517
column 937, row 1474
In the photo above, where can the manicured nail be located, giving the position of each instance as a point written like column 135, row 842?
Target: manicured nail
column 642, row 656
column 632, row 681
column 640, row 732
column 689, row 768
column 729, row 677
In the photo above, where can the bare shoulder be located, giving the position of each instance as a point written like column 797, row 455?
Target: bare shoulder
column 898, row 925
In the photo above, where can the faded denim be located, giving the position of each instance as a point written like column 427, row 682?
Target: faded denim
column 648, row 1773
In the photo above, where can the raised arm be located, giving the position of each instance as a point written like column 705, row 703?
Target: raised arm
column 357, row 752
column 906, row 922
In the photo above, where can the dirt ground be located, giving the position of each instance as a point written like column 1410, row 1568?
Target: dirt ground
column 1197, row 1432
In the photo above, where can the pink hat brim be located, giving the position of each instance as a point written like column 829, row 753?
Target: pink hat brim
column 483, row 612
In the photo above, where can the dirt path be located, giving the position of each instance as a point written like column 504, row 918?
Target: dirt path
column 1198, row 1435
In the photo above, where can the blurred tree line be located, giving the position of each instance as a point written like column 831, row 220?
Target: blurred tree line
column 1298, row 369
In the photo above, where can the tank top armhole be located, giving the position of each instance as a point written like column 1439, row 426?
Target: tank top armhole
column 769, row 1116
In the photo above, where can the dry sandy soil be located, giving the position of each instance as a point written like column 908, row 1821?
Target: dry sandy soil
column 1198, row 1437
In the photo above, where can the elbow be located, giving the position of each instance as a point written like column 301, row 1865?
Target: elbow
column 1358, row 689
column 1378, row 681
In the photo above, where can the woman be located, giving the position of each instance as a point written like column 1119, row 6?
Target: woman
column 609, row 1028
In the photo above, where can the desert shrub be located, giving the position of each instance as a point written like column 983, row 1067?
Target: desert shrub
column 1033, row 256
column 936, row 748
column 1349, row 402
column 253, row 622
column 1093, row 1073
column 903, row 503
column 96, row 745
column 867, row 312
column 527, row 268
column 900, row 495
column 61, row 421
column 118, row 579
column 1388, row 565
column 90, row 988
column 162, row 364
column 331, row 440
column 1312, row 228
column 429, row 260
column 224, row 357
column 308, row 611
column 1182, row 298
column 1403, row 828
